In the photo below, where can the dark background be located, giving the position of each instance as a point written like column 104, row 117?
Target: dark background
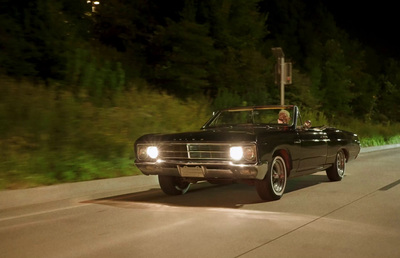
column 374, row 23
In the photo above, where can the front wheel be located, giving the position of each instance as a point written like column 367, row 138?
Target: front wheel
column 173, row 185
column 336, row 172
column 273, row 185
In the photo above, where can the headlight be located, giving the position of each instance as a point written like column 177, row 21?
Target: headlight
column 152, row 152
column 236, row 153
column 247, row 153
column 145, row 152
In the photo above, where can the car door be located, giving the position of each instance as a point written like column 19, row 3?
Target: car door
column 313, row 149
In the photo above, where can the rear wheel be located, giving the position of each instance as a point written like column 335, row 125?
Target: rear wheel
column 273, row 185
column 336, row 172
column 172, row 185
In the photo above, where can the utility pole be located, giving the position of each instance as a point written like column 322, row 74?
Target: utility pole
column 283, row 73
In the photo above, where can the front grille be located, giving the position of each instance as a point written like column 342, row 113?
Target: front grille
column 173, row 151
column 194, row 151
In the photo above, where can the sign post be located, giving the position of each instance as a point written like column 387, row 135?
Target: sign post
column 283, row 73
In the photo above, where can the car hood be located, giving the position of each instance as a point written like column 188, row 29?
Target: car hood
column 226, row 134
column 205, row 135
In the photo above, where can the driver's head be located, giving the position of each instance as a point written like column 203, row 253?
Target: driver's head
column 284, row 117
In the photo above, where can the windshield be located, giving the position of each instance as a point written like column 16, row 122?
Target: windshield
column 276, row 116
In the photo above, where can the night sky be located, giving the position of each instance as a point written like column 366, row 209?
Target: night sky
column 373, row 24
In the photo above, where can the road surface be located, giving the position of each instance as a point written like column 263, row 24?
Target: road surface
column 357, row 217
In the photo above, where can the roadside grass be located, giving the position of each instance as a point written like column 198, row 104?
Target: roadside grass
column 50, row 136
column 379, row 140
column 370, row 134
column 373, row 134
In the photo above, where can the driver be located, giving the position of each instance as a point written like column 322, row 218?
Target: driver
column 284, row 117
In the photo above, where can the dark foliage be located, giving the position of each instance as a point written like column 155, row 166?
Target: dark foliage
column 220, row 49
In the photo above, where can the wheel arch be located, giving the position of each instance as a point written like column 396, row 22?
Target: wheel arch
column 285, row 154
column 346, row 153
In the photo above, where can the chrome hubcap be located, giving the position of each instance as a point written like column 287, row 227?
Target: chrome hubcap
column 278, row 175
column 341, row 163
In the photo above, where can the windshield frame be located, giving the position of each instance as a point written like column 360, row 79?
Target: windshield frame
column 251, row 113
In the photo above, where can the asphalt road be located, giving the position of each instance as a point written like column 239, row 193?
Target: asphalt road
column 357, row 217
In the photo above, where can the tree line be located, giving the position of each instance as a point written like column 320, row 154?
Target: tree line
column 219, row 49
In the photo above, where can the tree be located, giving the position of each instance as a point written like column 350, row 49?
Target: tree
column 238, row 30
column 388, row 107
column 186, row 57
column 335, row 81
column 35, row 38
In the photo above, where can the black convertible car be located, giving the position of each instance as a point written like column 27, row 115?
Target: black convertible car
column 260, row 145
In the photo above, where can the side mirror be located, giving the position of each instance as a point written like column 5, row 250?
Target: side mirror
column 307, row 124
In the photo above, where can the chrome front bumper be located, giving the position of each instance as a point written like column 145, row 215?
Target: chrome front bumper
column 203, row 169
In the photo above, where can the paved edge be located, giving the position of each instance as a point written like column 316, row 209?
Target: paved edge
column 378, row 148
column 102, row 188
column 81, row 191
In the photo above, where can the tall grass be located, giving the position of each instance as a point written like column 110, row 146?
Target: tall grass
column 49, row 136
column 316, row 117
column 370, row 134
column 374, row 134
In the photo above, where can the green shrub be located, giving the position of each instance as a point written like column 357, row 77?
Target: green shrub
column 317, row 118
